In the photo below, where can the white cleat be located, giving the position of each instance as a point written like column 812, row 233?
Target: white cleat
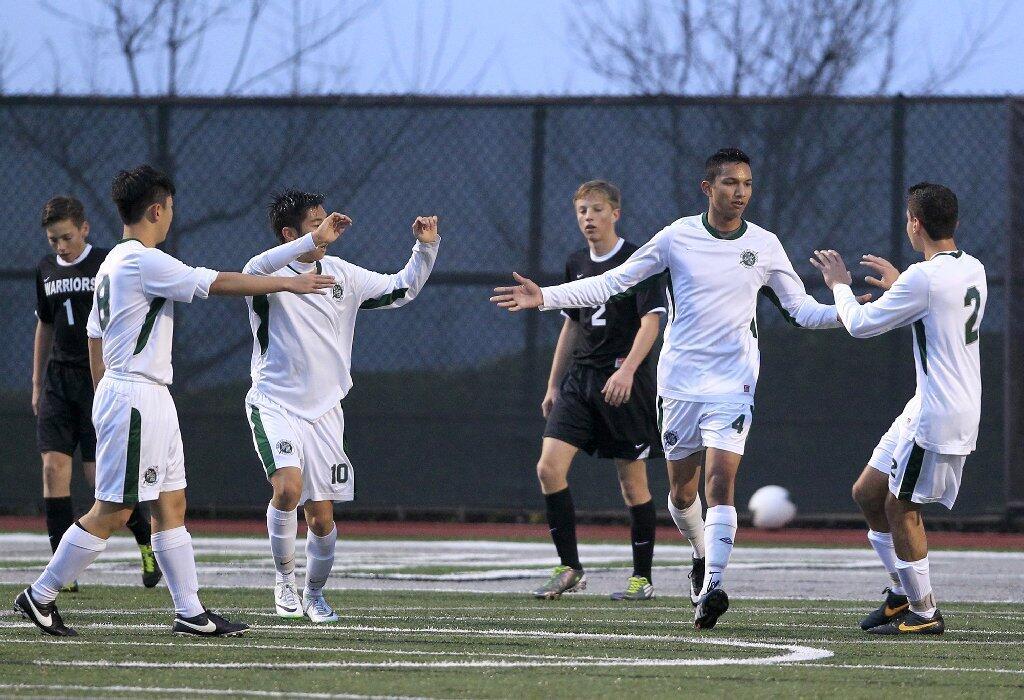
column 286, row 600
column 317, row 608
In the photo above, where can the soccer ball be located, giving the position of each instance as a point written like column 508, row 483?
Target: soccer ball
column 771, row 508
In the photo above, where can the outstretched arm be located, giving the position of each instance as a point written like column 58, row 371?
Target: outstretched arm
column 649, row 259
column 905, row 301
column 790, row 295
column 239, row 284
column 379, row 291
column 270, row 261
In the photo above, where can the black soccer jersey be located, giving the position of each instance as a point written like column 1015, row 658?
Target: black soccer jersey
column 64, row 299
column 608, row 331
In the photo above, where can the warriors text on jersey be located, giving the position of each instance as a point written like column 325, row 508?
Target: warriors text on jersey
column 607, row 331
column 302, row 354
column 133, row 308
column 710, row 352
column 64, row 299
column 944, row 298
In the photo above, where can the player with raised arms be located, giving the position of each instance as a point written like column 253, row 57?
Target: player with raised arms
column 920, row 459
column 301, row 361
column 62, row 389
column 601, row 397
column 139, row 454
column 718, row 263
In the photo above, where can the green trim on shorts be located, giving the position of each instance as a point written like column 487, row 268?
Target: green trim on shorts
column 130, row 492
column 262, row 443
column 912, row 473
column 147, row 325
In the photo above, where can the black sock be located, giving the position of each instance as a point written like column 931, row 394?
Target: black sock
column 643, row 520
column 562, row 521
column 138, row 523
column 59, row 516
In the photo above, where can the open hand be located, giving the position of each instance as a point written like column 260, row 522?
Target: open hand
column 425, row 229
column 618, row 388
column 525, row 296
column 330, row 229
column 832, row 267
column 887, row 272
column 310, row 283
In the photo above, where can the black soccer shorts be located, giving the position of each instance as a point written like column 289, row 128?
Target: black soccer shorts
column 582, row 418
column 65, row 412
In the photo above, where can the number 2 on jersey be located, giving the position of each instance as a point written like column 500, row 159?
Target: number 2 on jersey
column 972, row 298
column 598, row 318
column 103, row 301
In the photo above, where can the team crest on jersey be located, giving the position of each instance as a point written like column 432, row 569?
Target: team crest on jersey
column 671, row 438
column 337, row 291
column 748, row 258
column 284, row 447
column 150, row 476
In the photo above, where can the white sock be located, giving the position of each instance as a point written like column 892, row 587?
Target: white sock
column 177, row 559
column 77, row 549
column 916, row 580
column 282, row 526
column 719, row 533
column 882, row 544
column 690, row 521
column 319, row 560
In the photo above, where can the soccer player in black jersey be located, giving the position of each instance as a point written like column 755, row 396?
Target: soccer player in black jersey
column 603, row 400
column 61, row 383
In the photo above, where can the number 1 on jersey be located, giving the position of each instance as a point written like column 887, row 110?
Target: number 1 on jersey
column 71, row 315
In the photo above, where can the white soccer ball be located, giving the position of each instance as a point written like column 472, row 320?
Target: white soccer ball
column 771, row 508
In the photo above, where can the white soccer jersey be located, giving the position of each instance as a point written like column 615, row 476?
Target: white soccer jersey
column 944, row 298
column 302, row 354
column 133, row 308
column 710, row 352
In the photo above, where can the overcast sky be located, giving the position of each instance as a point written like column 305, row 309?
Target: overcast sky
column 496, row 47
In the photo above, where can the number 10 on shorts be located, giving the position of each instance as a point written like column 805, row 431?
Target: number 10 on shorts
column 339, row 474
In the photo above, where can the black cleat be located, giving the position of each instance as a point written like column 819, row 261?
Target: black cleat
column 151, row 573
column 44, row 615
column 894, row 606
column 207, row 624
column 912, row 623
column 696, row 580
column 711, row 606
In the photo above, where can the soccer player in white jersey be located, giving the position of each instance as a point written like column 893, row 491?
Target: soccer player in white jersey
column 139, row 454
column 921, row 457
column 301, row 360
column 708, row 368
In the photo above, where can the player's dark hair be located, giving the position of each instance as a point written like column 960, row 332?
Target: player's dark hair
column 135, row 190
column 289, row 208
column 716, row 163
column 63, row 208
column 601, row 187
column 936, row 207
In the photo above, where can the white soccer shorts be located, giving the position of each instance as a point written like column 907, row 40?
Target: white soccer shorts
column 691, row 426
column 917, row 474
column 317, row 448
column 138, row 442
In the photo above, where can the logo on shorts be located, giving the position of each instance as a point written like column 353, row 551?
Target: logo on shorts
column 671, row 438
column 284, row 447
column 150, row 476
column 748, row 258
column 337, row 291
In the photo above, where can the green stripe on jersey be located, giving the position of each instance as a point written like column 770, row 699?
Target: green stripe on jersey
column 261, row 307
column 385, row 299
column 262, row 443
column 147, row 325
column 130, row 492
column 922, row 344
column 774, row 299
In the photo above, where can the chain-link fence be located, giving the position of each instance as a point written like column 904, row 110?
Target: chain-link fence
column 445, row 410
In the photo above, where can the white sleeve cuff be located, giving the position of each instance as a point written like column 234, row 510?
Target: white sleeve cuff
column 205, row 278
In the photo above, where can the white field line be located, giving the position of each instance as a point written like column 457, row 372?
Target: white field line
column 194, row 691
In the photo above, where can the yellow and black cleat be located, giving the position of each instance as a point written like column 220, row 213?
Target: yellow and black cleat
column 912, row 623
column 894, row 606
column 151, row 573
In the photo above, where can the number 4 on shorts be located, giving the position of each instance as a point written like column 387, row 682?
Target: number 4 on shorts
column 738, row 423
